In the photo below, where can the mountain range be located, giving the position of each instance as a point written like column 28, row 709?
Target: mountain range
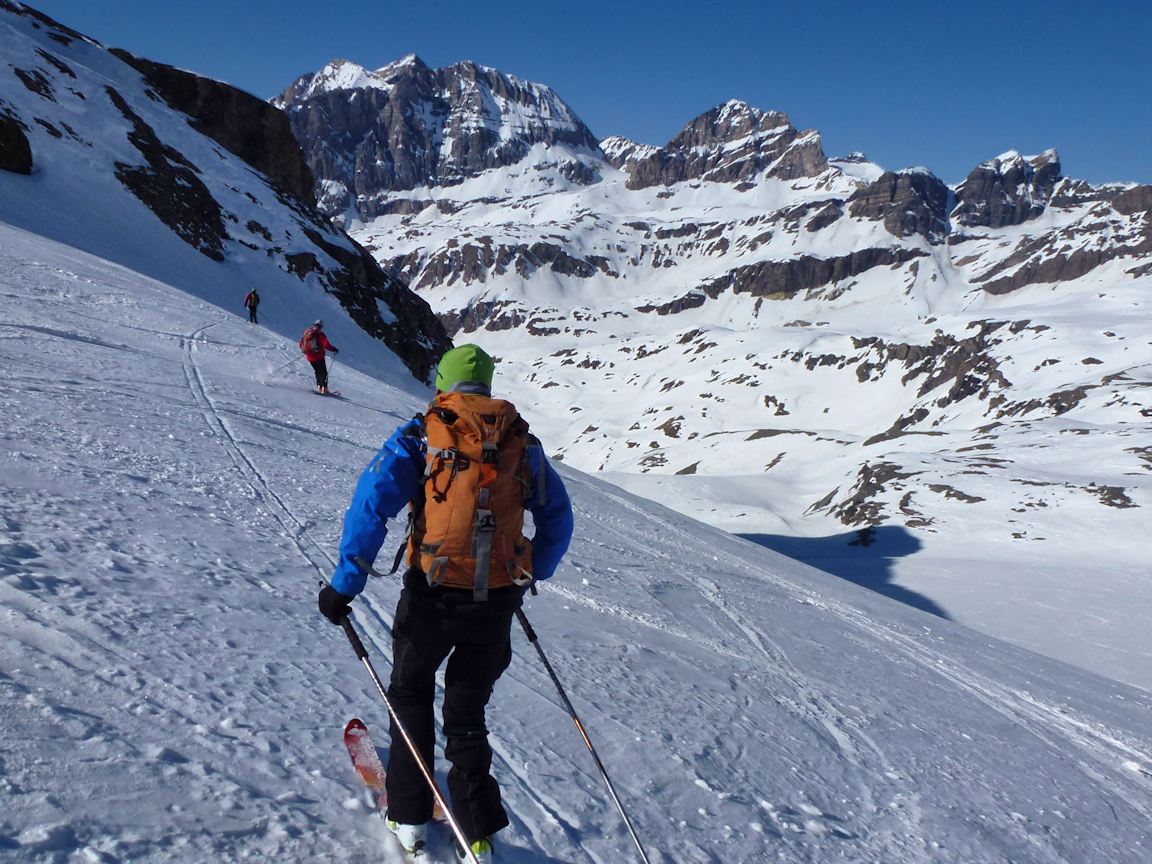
column 939, row 391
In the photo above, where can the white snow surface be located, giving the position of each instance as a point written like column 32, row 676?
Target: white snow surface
column 168, row 692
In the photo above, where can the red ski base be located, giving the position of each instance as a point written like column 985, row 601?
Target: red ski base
column 366, row 761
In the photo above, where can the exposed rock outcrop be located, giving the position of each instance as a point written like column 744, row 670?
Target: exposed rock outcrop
column 782, row 279
column 730, row 143
column 479, row 261
column 914, row 201
column 1008, row 190
column 1137, row 199
column 169, row 186
column 241, row 123
column 15, row 151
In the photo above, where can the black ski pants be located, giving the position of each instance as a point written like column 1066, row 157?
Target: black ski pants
column 320, row 367
column 252, row 314
column 433, row 624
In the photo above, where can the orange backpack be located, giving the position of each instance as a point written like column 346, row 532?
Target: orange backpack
column 467, row 531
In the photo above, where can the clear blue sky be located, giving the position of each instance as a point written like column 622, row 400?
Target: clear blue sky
column 940, row 84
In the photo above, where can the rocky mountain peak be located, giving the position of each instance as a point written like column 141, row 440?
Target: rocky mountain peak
column 1007, row 190
column 619, row 151
column 406, row 64
column 406, row 126
column 908, row 202
column 732, row 121
column 732, row 142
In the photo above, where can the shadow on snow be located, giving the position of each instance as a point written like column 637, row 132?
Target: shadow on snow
column 864, row 557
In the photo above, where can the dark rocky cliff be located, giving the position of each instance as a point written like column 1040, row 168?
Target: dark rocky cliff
column 241, row 123
column 731, row 143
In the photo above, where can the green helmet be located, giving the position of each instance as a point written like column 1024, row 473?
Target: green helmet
column 465, row 363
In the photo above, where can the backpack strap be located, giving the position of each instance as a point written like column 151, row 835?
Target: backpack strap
column 484, row 529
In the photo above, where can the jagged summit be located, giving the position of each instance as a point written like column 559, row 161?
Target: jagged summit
column 407, row 126
column 1007, row 190
column 732, row 142
column 619, row 150
column 1012, row 156
column 408, row 61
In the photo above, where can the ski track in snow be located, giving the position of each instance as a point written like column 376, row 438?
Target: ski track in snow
column 169, row 693
column 292, row 526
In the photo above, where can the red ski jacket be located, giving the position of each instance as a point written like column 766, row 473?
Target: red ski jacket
column 314, row 343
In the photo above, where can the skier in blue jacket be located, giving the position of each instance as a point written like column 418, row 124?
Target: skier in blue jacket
column 434, row 621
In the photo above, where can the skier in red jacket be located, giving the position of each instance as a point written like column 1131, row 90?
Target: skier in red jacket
column 251, row 301
column 314, row 343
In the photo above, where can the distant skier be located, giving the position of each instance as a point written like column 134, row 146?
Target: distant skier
column 468, row 469
column 314, row 343
column 250, row 303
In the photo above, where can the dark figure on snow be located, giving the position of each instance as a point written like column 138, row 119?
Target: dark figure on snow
column 471, row 458
column 314, row 343
column 250, row 303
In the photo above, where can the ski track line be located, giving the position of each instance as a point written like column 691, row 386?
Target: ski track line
column 843, row 733
column 549, row 807
column 811, row 707
column 293, row 427
column 814, row 710
column 276, row 507
column 1022, row 708
column 1043, row 721
column 1039, row 719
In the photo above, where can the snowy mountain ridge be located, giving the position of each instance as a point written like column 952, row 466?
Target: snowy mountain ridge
column 406, row 125
column 866, row 366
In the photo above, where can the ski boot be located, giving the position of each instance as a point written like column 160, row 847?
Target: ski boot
column 481, row 848
column 412, row 837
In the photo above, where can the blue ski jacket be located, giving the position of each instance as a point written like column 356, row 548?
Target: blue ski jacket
column 393, row 478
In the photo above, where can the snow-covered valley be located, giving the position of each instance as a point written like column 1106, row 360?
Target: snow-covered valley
column 939, row 392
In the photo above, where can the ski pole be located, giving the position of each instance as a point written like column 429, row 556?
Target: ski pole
column 286, row 365
column 531, row 634
column 362, row 653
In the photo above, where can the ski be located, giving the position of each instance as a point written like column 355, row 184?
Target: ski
column 366, row 761
column 335, row 393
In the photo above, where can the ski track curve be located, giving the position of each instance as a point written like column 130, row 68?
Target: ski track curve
column 293, row 527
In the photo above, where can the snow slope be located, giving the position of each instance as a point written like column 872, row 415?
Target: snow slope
column 92, row 120
column 169, row 693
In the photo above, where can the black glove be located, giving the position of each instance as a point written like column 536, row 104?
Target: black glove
column 333, row 605
column 334, row 350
